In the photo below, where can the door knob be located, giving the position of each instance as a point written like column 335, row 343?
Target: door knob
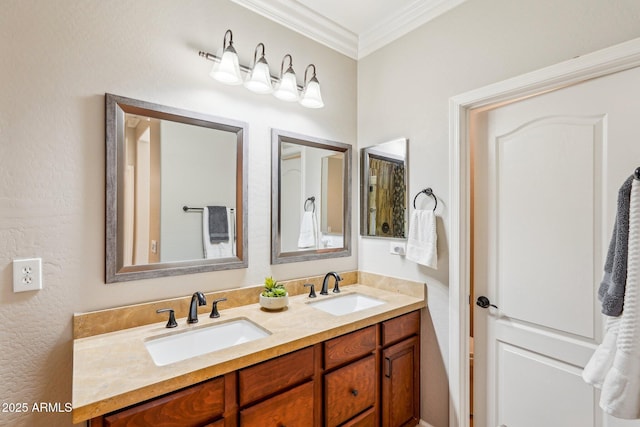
column 484, row 302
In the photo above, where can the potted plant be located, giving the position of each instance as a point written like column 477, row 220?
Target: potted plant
column 274, row 296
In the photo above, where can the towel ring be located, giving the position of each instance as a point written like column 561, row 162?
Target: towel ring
column 428, row 192
column 311, row 199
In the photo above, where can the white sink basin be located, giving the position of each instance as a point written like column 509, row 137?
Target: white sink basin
column 196, row 341
column 346, row 304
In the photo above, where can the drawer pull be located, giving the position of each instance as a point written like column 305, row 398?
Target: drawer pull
column 354, row 392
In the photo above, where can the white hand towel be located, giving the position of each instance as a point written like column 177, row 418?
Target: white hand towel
column 221, row 249
column 601, row 361
column 423, row 238
column 620, row 395
column 308, row 230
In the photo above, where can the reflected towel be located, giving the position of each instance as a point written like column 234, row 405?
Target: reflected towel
column 423, row 238
column 218, row 224
column 308, row 230
column 223, row 249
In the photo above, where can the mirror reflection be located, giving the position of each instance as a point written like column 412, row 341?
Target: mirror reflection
column 175, row 196
column 383, row 190
column 310, row 205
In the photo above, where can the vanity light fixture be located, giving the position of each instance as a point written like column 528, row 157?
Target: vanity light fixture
column 311, row 96
column 259, row 78
column 287, row 87
column 227, row 69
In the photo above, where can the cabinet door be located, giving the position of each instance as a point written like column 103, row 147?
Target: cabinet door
column 350, row 390
column 289, row 409
column 401, row 384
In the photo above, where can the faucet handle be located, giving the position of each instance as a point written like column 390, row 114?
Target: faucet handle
column 336, row 288
column 312, row 293
column 214, row 308
column 172, row 317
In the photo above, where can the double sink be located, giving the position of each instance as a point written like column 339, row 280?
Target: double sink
column 182, row 345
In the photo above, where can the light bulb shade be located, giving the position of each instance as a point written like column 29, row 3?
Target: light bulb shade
column 227, row 70
column 311, row 96
column 259, row 78
column 287, row 87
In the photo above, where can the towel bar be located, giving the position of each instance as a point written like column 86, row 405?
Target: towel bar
column 311, row 199
column 429, row 192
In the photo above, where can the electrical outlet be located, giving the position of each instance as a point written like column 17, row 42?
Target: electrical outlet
column 27, row 274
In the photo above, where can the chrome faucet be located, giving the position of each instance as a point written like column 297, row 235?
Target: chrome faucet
column 325, row 283
column 197, row 299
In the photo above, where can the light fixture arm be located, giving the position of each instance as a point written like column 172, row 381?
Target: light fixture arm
column 255, row 53
column 282, row 65
column 224, row 39
column 305, row 73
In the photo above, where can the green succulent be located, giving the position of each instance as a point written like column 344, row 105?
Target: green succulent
column 273, row 289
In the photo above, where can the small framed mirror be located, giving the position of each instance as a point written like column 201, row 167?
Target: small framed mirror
column 176, row 191
column 383, row 190
column 311, row 198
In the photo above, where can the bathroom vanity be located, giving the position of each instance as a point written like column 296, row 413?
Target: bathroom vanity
column 312, row 369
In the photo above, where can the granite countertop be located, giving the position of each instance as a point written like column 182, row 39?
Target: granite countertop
column 114, row 370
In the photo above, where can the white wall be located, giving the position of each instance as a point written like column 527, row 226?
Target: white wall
column 58, row 59
column 404, row 90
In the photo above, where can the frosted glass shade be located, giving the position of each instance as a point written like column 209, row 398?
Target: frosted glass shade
column 311, row 96
column 259, row 79
column 287, row 88
column 228, row 69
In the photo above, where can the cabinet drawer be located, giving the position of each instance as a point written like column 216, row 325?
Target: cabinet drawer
column 350, row 390
column 274, row 375
column 366, row 419
column 193, row 406
column 292, row 408
column 401, row 327
column 349, row 347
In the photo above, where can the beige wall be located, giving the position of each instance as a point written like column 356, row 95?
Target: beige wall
column 58, row 59
column 404, row 90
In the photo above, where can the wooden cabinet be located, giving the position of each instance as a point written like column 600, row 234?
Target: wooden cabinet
column 192, row 406
column 267, row 398
column 288, row 409
column 366, row 378
column 270, row 377
column 401, row 371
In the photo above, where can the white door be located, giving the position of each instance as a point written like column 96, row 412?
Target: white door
column 546, row 175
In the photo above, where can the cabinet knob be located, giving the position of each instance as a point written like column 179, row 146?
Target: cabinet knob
column 354, row 392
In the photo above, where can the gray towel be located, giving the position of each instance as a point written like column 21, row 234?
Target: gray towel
column 218, row 224
column 612, row 287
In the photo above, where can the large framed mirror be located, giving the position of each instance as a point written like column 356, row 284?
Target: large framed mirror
column 383, row 190
column 176, row 191
column 311, row 198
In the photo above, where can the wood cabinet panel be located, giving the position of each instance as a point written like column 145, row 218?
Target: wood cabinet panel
column 366, row 419
column 401, row 384
column 349, row 347
column 258, row 381
column 291, row 408
column 192, row 406
column 400, row 327
column 350, row 390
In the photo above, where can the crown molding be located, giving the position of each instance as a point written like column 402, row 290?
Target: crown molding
column 309, row 23
column 305, row 21
column 402, row 22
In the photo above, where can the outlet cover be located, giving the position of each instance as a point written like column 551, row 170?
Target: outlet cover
column 27, row 274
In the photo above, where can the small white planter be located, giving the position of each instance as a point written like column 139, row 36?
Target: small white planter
column 270, row 303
